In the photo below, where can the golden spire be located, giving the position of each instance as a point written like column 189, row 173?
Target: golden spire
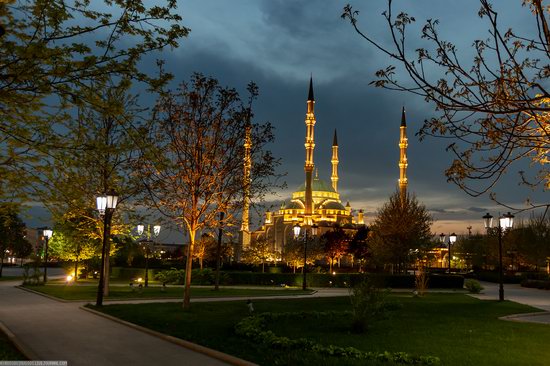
column 334, row 161
column 247, row 165
column 403, row 143
column 310, row 145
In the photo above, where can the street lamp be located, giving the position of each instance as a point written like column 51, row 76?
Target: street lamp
column 156, row 232
column 506, row 221
column 452, row 240
column 106, row 205
column 297, row 229
column 47, row 233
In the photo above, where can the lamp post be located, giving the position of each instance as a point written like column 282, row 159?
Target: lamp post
column 297, row 229
column 156, row 232
column 106, row 205
column 452, row 240
column 506, row 221
column 47, row 235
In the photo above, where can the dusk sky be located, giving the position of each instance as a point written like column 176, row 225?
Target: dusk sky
column 279, row 44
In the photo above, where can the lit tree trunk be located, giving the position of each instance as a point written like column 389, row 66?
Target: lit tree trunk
column 331, row 262
column 76, row 270
column 200, row 263
column 188, row 268
column 263, row 266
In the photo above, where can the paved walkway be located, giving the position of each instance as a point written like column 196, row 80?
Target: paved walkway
column 536, row 298
column 53, row 330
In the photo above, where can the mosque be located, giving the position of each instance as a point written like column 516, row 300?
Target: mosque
column 316, row 201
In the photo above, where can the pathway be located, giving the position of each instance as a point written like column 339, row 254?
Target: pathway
column 53, row 330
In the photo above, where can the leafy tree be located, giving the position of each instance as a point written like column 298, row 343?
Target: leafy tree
column 258, row 252
column 530, row 241
column 335, row 243
column 401, row 225
column 495, row 107
column 359, row 246
column 195, row 170
column 12, row 231
column 52, row 56
column 205, row 244
column 73, row 241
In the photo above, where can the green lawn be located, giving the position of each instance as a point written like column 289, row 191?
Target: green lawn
column 458, row 329
column 12, row 278
column 86, row 292
column 8, row 352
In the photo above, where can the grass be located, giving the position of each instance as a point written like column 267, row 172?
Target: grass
column 8, row 352
column 87, row 292
column 12, row 278
column 458, row 329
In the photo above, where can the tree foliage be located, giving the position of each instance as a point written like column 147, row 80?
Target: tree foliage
column 12, row 232
column 195, row 169
column 259, row 252
column 335, row 243
column 401, row 225
column 495, row 107
column 52, row 57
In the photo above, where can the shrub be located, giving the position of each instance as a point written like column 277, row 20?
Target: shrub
column 368, row 304
column 540, row 284
column 171, row 276
column 32, row 274
column 421, row 282
column 473, row 286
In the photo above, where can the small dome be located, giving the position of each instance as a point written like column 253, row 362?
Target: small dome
column 332, row 205
column 317, row 185
column 293, row 205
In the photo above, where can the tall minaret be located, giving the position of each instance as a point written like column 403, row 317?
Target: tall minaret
column 247, row 166
column 403, row 156
column 334, row 161
column 310, row 145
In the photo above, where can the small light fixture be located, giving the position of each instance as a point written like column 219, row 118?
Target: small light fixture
column 156, row 230
column 296, row 229
column 442, row 237
column 452, row 238
column 314, row 228
column 47, row 233
column 507, row 221
column 488, row 220
column 140, row 229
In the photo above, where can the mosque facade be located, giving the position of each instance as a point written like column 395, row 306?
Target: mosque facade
column 316, row 201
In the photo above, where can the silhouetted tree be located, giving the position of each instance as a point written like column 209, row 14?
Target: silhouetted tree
column 495, row 108
column 401, row 225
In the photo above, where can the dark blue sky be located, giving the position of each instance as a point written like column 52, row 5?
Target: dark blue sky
column 278, row 44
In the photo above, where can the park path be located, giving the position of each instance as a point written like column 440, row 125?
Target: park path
column 57, row 331
column 536, row 298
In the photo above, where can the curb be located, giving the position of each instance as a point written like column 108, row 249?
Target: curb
column 520, row 317
column 21, row 347
column 45, row 295
column 232, row 360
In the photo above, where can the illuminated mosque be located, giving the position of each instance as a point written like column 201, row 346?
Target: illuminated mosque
column 316, row 201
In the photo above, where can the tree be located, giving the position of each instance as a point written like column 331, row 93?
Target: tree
column 201, row 247
column 53, row 54
column 258, row 252
column 335, row 242
column 401, row 225
column 359, row 246
column 195, row 170
column 496, row 108
column 74, row 240
column 12, row 231
column 531, row 241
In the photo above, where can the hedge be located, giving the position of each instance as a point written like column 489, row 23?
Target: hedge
column 339, row 280
column 122, row 273
column 540, row 284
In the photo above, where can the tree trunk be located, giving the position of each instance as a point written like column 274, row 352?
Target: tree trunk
column 263, row 267
column 76, row 270
column 1, row 264
column 330, row 268
column 200, row 263
column 188, row 268
column 219, row 254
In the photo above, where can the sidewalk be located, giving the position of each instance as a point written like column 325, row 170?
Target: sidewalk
column 52, row 330
column 536, row 298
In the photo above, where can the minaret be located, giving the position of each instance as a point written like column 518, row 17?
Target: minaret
column 334, row 161
column 403, row 156
column 310, row 145
column 247, row 166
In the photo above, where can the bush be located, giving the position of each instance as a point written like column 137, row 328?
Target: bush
column 122, row 273
column 172, row 276
column 368, row 304
column 540, row 284
column 473, row 286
